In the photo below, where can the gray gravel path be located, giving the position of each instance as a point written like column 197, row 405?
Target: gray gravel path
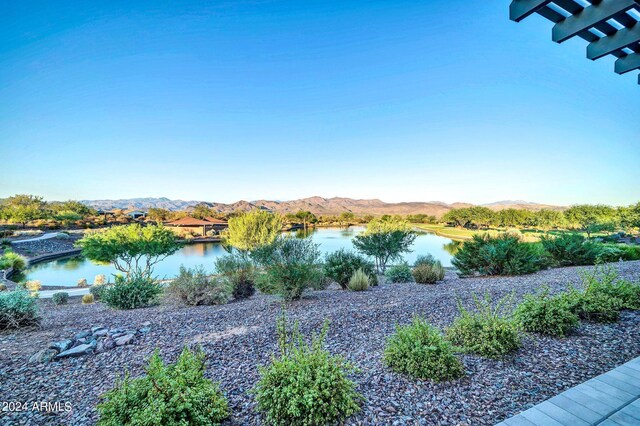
column 240, row 335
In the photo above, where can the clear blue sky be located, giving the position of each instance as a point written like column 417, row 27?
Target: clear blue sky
column 227, row 100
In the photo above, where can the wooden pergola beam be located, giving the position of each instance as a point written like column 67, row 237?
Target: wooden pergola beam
column 520, row 9
column 590, row 16
column 619, row 40
column 628, row 63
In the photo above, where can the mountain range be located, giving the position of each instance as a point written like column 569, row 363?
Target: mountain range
column 316, row 205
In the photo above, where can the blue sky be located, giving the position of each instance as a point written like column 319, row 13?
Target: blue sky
column 228, row 100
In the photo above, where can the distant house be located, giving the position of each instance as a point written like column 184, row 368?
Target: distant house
column 134, row 214
column 207, row 224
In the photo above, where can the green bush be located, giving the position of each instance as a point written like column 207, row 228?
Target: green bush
column 424, row 259
column 88, row 299
column 419, row 350
column 60, row 298
column 629, row 252
column 359, row 281
column 132, row 293
column 98, row 290
column 486, row 331
column 17, row 308
column 174, row 394
column 239, row 272
column 289, row 266
column 12, row 260
column 193, row 287
column 591, row 306
column 575, row 249
column 502, row 255
column 605, row 282
column 305, row 384
column 545, row 314
column 342, row 264
column 425, row 273
column 400, row 273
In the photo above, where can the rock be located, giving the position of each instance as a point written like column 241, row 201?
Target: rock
column 95, row 329
column 146, row 324
column 82, row 340
column 76, row 351
column 82, row 335
column 61, row 345
column 124, row 340
column 100, row 346
column 108, row 343
column 42, row 356
column 101, row 332
column 144, row 330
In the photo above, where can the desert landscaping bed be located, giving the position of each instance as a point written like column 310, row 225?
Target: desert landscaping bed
column 239, row 336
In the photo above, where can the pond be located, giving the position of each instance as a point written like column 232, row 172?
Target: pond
column 67, row 272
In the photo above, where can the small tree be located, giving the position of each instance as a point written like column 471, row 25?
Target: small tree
column 591, row 218
column 132, row 249
column 306, row 217
column 385, row 240
column 23, row 208
column 289, row 266
column 249, row 231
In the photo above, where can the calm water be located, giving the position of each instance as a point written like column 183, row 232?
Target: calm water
column 67, row 272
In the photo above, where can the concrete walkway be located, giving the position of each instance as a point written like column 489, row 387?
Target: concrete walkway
column 40, row 238
column 73, row 291
column 611, row 399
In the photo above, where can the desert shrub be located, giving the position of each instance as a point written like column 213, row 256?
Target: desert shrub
column 428, row 273
column 17, row 308
column 132, row 293
column 359, row 281
column 545, row 314
column 305, row 384
column 100, row 280
column 575, row 249
column 88, row 299
column 501, row 255
column 82, row 283
column 173, row 394
column 12, row 260
column 340, row 266
column 419, row 350
column 194, row 287
column 33, row 285
column 592, row 307
column 385, row 239
column 289, row 266
column 424, row 259
column 4, row 242
column 400, row 273
column 3, row 287
column 60, row 298
column 239, row 272
column 98, row 290
column 486, row 330
column 605, row 282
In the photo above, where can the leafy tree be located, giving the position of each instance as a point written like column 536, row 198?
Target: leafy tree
column 512, row 218
column 253, row 229
column 346, row 217
column 421, row 218
column 629, row 217
column 469, row 217
column 133, row 249
column 76, row 207
column 546, row 219
column 591, row 218
column 202, row 210
column 23, row 208
column 159, row 215
column 385, row 240
column 306, row 217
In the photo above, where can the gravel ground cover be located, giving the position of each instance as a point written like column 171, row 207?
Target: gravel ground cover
column 239, row 336
column 51, row 245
